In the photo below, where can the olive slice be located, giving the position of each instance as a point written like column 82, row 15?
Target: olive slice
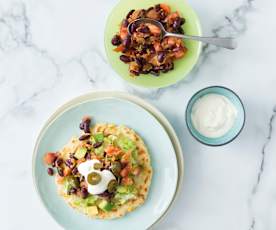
column 111, row 187
column 116, row 168
column 98, row 166
column 94, row 178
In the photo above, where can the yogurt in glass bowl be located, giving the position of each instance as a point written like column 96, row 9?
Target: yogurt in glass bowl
column 215, row 115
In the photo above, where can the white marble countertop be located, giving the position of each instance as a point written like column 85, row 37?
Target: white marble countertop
column 52, row 51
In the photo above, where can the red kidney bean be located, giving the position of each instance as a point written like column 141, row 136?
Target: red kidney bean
column 84, row 137
column 116, row 40
column 161, row 57
column 97, row 144
column 125, row 58
column 84, row 193
column 60, row 172
column 144, row 30
column 58, row 162
column 68, row 163
column 127, row 42
column 129, row 14
column 125, row 23
column 86, row 127
column 75, row 171
column 50, row 171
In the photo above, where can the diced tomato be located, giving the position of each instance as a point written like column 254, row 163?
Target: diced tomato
column 180, row 53
column 123, row 32
column 157, row 46
column 127, row 181
column 112, row 150
column 119, row 48
column 165, row 7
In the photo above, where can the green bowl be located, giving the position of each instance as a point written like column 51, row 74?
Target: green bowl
column 233, row 132
column 182, row 66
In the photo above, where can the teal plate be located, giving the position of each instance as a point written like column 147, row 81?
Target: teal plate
column 233, row 132
column 64, row 124
column 183, row 66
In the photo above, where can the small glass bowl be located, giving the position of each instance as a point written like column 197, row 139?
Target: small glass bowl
column 233, row 132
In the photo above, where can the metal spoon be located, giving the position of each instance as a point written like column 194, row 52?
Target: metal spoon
column 228, row 43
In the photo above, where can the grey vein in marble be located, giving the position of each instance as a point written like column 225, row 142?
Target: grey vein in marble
column 18, row 24
column 262, row 163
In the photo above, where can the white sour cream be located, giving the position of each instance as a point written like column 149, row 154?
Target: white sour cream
column 86, row 168
column 213, row 115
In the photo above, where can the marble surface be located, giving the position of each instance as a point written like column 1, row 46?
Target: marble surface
column 52, row 51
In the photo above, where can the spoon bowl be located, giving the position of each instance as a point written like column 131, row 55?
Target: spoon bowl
column 228, row 43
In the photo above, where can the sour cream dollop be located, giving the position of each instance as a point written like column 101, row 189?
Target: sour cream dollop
column 213, row 115
column 87, row 167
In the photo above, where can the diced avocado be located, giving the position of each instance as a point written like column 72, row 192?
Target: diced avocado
column 127, row 189
column 99, row 151
column 126, row 144
column 87, row 202
column 92, row 210
column 105, row 205
column 99, row 137
column 70, row 182
column 123, row 198
column 90, row 200
column 80, row 153
column 122, row 189
column 134, row 158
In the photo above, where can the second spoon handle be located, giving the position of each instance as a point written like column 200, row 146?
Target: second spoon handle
column 228, row 43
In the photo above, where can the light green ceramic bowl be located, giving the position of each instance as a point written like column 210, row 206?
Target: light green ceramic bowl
column 182, row 66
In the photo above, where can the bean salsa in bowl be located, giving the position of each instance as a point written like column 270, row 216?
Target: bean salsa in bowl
column 141, row 55
column 144, row 50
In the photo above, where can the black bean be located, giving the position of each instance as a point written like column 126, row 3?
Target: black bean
column 180, row 30
column 125, row 23
column 60, row 172
column 145, row 71
column 182, row 21
column 75, row 171
column 84, row 193
column 127, row 42
column 140, row 61
column 162, row 15
column 142, row 13
column 125, row 58
column 50, row 171
column 84, row 137
column 161, row 57
column 129, row 14
column 116, row 40
column 97, row 144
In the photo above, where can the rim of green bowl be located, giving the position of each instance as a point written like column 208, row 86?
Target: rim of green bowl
column 235, row 136
column 162, row 84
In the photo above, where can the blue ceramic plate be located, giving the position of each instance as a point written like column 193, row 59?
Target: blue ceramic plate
column 64, row 124
column 238, row 125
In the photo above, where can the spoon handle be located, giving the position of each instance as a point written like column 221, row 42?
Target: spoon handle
column 228, row 43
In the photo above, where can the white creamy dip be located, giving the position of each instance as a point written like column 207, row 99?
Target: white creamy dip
column 106, row 176
column 213, row 115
